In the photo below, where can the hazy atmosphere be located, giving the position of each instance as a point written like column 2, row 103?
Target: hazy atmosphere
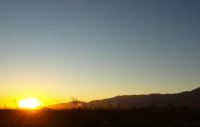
column 95, row 49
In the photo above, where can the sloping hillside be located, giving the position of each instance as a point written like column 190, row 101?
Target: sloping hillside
column 187, row 98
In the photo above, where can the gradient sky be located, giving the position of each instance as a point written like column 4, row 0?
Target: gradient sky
column 94, row 49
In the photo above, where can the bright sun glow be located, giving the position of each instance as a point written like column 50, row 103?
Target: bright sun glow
column 30, row 103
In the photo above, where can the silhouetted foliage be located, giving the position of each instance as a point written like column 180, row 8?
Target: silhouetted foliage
column 170, row 107
column 184, row 108
column 91, row 105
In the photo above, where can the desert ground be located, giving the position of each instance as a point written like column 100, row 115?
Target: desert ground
column 143, row 117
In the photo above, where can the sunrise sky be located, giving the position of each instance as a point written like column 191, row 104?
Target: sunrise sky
column 94, row 49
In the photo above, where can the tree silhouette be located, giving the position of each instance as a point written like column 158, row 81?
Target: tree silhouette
column 75, row 101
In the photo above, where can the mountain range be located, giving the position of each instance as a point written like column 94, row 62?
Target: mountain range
column 186, row 98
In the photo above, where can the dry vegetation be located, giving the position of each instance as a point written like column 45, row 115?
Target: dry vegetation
column 100, row 118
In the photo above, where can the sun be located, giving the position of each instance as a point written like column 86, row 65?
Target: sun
column 30, row 103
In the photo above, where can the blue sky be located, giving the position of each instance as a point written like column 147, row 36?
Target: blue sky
column 95, row 49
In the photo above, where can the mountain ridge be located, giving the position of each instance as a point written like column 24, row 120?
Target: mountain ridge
column 185, row 98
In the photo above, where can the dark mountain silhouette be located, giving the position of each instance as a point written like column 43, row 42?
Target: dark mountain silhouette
column 187, row 98
column 68, row 105
column 62, row 106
